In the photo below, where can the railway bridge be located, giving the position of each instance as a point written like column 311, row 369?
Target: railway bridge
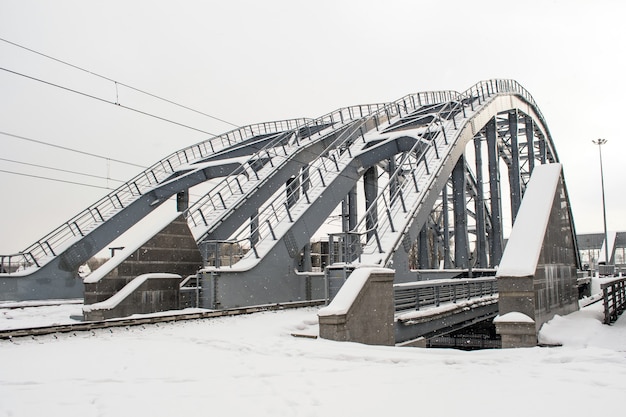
column 423, row 186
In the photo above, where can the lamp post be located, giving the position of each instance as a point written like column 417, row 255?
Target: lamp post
column 601, row 142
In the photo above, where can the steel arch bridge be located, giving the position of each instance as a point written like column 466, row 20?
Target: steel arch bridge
column 425, row 182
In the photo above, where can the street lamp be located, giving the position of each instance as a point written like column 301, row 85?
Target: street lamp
column 601, row 142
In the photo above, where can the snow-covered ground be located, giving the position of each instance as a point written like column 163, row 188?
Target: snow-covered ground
column 252, row 365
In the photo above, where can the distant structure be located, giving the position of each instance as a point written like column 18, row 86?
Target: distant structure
column 592, row 254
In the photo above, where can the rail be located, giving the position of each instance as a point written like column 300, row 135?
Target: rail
column 413, row 173
column 614, row 294
column 417, row 295
column 276, row 213
column 80, row 225
column 164, row 317
column 225, row 195
column 405, row 184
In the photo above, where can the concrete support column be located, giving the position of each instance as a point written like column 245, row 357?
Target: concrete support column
column 461, row 244
column 494, row 190
column 481, row 226
column 514, row 169
column 366, row 318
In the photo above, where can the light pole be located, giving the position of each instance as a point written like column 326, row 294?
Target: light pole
column 601, row 142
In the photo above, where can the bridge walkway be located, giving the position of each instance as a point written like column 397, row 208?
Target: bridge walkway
column 425, row 309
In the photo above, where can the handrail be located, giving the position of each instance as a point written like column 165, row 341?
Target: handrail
column 614, row 295
column 416, row 295
column 417, row 160
column 195, row 213
column 418, row 163
column 79, row 225
column 278, row 210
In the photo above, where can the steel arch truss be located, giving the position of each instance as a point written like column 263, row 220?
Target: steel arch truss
column 466, row 225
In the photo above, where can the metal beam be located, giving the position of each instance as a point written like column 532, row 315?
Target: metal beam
column 370, row 185
column 446, row 227
column 514, row 169
column 461, row 244
column 530, row 143
column 422, row 253
column 481, row 227
column 495, row 238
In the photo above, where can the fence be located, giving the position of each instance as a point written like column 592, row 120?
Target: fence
column 614, row 293
column 416, row 295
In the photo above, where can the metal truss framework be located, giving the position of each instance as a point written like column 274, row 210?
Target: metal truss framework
column 435, row 169
column 465, row 227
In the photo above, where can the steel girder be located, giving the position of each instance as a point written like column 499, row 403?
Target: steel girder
column 511, row 137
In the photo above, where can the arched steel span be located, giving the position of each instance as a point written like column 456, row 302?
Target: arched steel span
column 436, row 201
column 497, row 161
column 498, row 145
column 423, row 151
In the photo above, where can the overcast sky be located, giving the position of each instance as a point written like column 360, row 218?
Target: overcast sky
column 247, row 61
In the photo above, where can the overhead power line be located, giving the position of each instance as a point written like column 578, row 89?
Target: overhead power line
column 70, row 149
column 118, row 83
column 66, row 181
column 66, row 171
column 103, row 100
column 54, row 179
column 60, row 170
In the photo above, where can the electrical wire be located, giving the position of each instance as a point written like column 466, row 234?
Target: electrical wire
column 60, row 170
column 95, row 97
column 55, row 179
column 66, row 171
column 117, row 82
column 104, row 100
column 67, row 181
column 70, row 149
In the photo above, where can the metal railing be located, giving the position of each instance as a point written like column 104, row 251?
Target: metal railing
column 415, row 173
column 279, row 211
column 232, row 189
column 614, row 294
column 276, row 216
column 78, row 226
column 414, row 296
column 52, row 244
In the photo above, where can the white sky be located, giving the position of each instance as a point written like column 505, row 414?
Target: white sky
column 247, row 62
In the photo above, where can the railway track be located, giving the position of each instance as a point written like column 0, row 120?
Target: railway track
column 153, row 319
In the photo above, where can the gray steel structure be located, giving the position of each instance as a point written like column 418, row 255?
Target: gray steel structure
column 431, row 166
column 421, row 149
